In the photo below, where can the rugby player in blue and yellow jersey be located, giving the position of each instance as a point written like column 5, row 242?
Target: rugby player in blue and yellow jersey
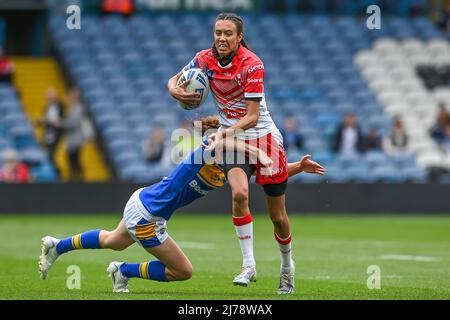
column 147, row 212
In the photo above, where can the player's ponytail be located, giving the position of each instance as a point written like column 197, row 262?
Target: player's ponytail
column 238, row 22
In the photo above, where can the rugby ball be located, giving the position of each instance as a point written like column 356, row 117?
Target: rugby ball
column 198, row 83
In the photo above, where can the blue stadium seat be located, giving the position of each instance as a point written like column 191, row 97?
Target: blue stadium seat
column 118, row 144
column 23, row 136
column 116, row 130
column 414, row 174
column 324, row 157
column 5, row 142
column 33, row 156
column 388, row 174
column 44, row 173
column 403, row 160
column 340, row 176
column 375, row 158
column 132, row 172
column 127, row 157
column 348, row 160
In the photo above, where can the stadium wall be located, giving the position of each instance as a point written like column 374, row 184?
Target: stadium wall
column 307, row 198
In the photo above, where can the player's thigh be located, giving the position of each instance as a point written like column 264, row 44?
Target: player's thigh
column 122, row 233
column 170, row 254
column 119, row 238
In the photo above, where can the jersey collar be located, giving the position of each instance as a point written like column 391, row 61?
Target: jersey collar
column 230, row 58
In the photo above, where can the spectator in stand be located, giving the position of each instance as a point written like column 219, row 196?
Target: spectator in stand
column 438, row 130
column 348, row 139
column 6, row 68
column 397, row 141
column 73, row 130
column 124, row 7
column 372, row 141
column 446, row 139
column 53, row 124
column 153, row 148
column 292, row 138
column 444, row 18
column 13, row 170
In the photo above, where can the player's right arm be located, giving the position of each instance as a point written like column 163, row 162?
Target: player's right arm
column 179, row 91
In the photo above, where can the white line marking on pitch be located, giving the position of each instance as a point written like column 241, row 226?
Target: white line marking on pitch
column 408, row 258
column 197, row 245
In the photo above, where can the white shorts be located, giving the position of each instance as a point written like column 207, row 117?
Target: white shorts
column 146, row 229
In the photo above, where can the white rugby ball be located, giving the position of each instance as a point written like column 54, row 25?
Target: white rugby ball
column 198, row 83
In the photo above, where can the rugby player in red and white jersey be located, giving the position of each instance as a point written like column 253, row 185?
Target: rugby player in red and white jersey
column 236, row 77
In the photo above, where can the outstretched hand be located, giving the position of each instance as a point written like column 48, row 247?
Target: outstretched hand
column 309, row 166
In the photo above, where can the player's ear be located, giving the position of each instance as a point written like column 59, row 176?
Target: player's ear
column 240, row 38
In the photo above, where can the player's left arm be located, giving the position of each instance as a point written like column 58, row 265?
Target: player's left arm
column 305, row 165
column 249, row 121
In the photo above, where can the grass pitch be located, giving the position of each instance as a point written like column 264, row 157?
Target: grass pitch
column 332, row 254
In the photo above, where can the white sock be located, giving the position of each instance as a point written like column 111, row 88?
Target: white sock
column 285, row 251
column 244, row 231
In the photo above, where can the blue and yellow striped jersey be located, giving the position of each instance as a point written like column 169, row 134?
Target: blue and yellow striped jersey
column 191, row 179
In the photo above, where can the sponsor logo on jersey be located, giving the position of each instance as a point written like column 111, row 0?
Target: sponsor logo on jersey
column 196, row 187
column 238, row 79
column 255, row 68
column 234, row 114
column 255, row 80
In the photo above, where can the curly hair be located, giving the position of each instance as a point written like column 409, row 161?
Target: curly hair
column 209, row 123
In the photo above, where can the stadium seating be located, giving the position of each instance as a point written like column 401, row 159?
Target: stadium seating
column 16, row 133
column 317, row 73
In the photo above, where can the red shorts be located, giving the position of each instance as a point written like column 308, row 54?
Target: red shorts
column 276, row 152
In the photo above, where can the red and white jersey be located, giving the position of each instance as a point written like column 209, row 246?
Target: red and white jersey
column 230, row 85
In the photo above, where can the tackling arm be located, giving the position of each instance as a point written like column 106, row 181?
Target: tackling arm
column 255, row 154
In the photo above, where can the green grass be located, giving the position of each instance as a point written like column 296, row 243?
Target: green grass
column 332, row 255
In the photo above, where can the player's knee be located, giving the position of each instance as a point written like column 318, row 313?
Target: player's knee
column 113, row 242
column 240, row 195
column 185, row 272
column 278, row 218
